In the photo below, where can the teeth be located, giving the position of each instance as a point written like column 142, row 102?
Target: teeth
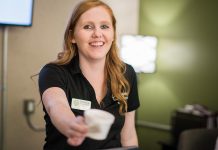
column 96, row 43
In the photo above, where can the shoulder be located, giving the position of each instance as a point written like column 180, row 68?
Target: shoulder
column 52, row 75
column 52, row 69
column 130, row 72
column 133, row 98
column 129, row 68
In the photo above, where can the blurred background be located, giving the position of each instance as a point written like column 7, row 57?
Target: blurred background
column 186, row 64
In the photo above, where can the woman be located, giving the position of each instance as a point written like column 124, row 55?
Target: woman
column 88, row 72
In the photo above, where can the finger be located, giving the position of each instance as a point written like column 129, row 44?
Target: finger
column 75, row 141
column 75, row 133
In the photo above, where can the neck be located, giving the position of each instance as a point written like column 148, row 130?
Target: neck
column 94, row 72
column 92, row 68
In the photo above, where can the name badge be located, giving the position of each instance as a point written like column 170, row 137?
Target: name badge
column 80, row 104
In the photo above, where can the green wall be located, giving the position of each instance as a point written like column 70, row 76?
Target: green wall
column 187, row 67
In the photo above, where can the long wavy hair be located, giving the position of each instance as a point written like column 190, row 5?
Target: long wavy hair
column 114, row 67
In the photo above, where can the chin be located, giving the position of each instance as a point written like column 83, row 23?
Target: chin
column 98, row 58
column 98, row 55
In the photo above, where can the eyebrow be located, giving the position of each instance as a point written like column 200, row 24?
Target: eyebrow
column 101, row 22
column 107, row 23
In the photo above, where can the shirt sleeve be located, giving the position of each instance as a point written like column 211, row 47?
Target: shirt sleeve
column 133, row 98
column 51, row 76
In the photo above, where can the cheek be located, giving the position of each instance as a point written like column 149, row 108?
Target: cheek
column 110, row 37
column 80, row 36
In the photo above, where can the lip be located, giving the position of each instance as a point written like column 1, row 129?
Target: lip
column 96, row 43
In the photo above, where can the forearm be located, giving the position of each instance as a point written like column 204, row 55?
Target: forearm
column 130, row 140
column 58, row 108
column 128, row 133
column 74, row 128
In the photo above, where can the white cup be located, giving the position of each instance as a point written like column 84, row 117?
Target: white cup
column 99, row 123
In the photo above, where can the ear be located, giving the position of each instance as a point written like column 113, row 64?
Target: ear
column 73, row 41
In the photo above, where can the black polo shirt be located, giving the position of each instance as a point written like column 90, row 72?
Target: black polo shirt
column 70, row 78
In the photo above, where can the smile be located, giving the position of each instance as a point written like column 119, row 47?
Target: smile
column 96, row 44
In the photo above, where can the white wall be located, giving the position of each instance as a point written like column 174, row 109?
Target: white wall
column 127, row 15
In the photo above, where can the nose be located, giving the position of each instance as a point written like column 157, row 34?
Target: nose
column 97, row 33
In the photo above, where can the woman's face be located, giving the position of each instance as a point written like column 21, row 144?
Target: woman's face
column 94, row 34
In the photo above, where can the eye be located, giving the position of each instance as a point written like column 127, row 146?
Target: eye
column 104, row 26
column 87, row 27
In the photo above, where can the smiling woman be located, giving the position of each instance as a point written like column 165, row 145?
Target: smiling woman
column 89, row 73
